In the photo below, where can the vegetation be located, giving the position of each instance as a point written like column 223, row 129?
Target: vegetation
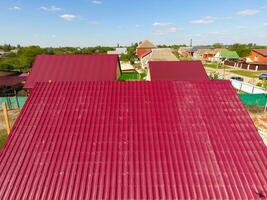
column 3, row 137
column 214, row 76
column 247, row 73
column 132, row 76
column 131, row 54
column 23, row 60
column 216, row 66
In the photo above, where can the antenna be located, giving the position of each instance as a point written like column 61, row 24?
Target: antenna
column 191, row 42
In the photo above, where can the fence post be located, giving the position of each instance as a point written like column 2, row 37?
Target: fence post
column 6, row 117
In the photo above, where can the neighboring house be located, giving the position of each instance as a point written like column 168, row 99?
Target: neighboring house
column 257, row 56
column 133, row 140
column 144, row 48
column 177, row 71
column 209, row 54
column 118, row 51
column 226, row 55
column 194, row 49
column 59, row 68
column 2, row 53
column 199, row 54
column 184, row 51
column 162, row 54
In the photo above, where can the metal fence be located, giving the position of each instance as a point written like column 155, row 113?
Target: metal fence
column 247, row 87
column 247, row 66
column 13, row 102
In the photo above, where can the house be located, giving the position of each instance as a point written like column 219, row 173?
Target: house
column 58, row 68
column 133, row 140
column 184, row 51
column 144, row 48
column 177, row 71
column 226, row 55
column 118, row 51
column 2, row 53
column 257, row 56
column 194, row 49
column 201, row 53
column 161, row 54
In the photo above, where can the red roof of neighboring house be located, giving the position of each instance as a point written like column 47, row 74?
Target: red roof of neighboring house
column 11, row 80
column 73, row 68
column 261, row 51
column 134, row 140
column 177, row 70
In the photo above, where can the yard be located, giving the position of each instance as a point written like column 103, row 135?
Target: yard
column 215, row 66
column 247, row 73
column 132, row 76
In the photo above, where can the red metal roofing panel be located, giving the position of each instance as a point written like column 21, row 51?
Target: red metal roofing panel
column 177, row 70
column 134, row 140
column 73, row 68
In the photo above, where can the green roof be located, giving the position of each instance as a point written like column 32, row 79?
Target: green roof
column 229, row 55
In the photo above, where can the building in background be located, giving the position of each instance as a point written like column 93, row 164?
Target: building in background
column 144, row 48
column 257, row 56
column 161, row 54
column 226, row 55
column 118, row 51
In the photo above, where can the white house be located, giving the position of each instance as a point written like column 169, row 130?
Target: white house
column 119, row 51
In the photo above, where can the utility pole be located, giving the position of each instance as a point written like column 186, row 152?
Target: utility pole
column 191, row 43
column 6, row 117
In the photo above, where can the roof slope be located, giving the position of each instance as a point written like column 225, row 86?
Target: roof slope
column 133, row 140
column 229, row 54
column 73, row 68
column 162, row 54
column 261, row 51
column 146, row 44
column 178, row 71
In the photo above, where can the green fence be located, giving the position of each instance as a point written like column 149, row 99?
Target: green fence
column 254, row 99
column 13, row 102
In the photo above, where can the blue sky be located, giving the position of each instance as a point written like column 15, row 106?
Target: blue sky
column 109, row 22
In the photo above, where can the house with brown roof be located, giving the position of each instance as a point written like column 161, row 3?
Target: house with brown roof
column 161, row 54
column 257, row 56
column 144, row 48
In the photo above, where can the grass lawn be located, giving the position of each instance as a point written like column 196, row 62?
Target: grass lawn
column 214, row 66
column 3, row 137
column 132, row 76
column 250, row 74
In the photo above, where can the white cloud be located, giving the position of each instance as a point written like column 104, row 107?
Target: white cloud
column 162, row 28
column 248, row 12
column 97, row 2
column 15, row 8
column 50, row 8
column 265, row 24
column 204, row 20
column 162, row 24
column 68, row 17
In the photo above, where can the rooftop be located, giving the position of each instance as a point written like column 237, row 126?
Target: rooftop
column 134, row 140
column 179, row 71
column 261, row 51
column 146, row 44
column 56, row 68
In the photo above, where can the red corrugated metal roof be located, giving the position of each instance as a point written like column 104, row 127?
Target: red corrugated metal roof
column 177, row 70
column 134, row 140
column 73, row 68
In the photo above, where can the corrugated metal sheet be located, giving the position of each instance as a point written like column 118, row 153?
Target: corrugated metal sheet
column 177, row 70
column 134, row 140
column 73, row 68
